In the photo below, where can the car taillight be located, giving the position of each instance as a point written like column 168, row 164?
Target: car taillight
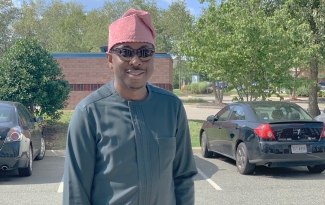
column 14, row 134
column 264, row 131
column 322, row 135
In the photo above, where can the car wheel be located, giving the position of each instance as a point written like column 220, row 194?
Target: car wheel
column 204, row 146
column 243, row 166
column 316, row 168
column 27, row 171
column 41, row 154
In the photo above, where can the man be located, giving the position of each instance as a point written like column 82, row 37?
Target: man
column 129, row 142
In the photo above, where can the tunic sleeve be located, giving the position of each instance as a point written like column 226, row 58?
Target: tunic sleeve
column 79, row 159
column 184, row 165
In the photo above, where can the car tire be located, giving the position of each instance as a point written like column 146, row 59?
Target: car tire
column 316, row 168
column 41, row 154
column 242, row 161
column 27, row 171
column 204, row 146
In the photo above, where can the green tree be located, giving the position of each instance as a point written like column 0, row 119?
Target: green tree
column 243, row 43
column 57, row 26
column 31, row 76
column 62, row 25
column 28, row 24
column 8, row 14
column 309, row 14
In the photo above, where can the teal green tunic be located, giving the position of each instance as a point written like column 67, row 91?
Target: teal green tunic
column 129, row 152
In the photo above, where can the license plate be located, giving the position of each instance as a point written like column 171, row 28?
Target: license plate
column 298, row 148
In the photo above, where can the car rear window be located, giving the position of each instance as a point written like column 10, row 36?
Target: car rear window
column 5, row 114
column 280, row 113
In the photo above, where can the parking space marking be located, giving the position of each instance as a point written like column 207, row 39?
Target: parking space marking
column 209, row 180
column 60, row 190
column 213, row 184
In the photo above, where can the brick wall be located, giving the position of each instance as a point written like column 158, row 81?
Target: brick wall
column 87, row 72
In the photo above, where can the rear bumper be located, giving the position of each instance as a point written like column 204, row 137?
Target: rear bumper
column 279, row 154
column 13, row 155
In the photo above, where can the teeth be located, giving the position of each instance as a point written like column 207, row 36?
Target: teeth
column 135, row 72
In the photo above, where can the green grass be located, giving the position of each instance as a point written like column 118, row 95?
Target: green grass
column 194, row 100
column 195, row 126
column 178, row 92
column 55, row 133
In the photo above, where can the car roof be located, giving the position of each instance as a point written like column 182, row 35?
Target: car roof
column 8, row 104
column 269, row 102
column 266, row 103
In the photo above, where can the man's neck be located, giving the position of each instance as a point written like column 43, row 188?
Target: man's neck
column 132, row 94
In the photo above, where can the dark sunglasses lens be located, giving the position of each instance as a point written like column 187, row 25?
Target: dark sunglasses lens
column 126, row 53
column 145, row 54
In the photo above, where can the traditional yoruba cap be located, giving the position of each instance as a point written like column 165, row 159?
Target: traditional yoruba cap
column 133, row 26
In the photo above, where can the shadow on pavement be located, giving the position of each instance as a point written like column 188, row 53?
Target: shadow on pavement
column 208, row 167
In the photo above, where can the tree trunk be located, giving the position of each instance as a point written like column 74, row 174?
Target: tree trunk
column 313, row 108
column 217, row 94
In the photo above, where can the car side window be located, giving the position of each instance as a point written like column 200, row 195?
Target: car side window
column 21, row 118
column 24, row 117
column 222, row 115
column 237, row 113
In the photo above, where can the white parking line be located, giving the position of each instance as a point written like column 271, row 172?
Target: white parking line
column 209, row 180
column 60, row 190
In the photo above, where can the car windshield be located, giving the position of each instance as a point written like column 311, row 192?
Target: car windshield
column 5, row 114
column 280, row 113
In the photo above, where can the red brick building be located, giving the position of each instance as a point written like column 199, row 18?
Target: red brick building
column 86, row 72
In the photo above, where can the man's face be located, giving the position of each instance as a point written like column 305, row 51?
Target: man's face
column 131, row 73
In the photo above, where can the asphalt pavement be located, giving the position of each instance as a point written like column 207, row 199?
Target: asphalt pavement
column 201, row 112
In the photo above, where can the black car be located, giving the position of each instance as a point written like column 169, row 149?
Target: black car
column 322, row 86
column 265, row 133
column 21, row 138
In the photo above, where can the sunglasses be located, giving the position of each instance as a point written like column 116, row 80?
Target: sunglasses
column 126, row 54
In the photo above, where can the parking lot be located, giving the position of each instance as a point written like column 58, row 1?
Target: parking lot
column 218, row 181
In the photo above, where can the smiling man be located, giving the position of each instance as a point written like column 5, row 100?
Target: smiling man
column 128, row 142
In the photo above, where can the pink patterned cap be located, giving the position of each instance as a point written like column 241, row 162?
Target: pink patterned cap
column 133, row 26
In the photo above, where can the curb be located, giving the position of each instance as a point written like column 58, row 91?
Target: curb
column 61, row 153
column 55, row 153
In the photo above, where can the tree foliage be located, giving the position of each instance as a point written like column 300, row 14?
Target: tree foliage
column 8, row 15
column 31, row 76
column 255, row 45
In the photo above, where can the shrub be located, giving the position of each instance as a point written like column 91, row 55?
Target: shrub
column 203, row 87
column 195, row 88
column 302, row 91
column 186, row 87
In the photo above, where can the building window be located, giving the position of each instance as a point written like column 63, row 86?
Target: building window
column 93, row 87
column 85, row 87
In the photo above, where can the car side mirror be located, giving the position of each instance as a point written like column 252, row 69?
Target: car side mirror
column 211, row 118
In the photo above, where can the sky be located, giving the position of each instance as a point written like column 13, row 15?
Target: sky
column 192, row 5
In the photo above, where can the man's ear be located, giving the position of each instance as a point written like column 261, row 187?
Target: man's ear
column 110, row 60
